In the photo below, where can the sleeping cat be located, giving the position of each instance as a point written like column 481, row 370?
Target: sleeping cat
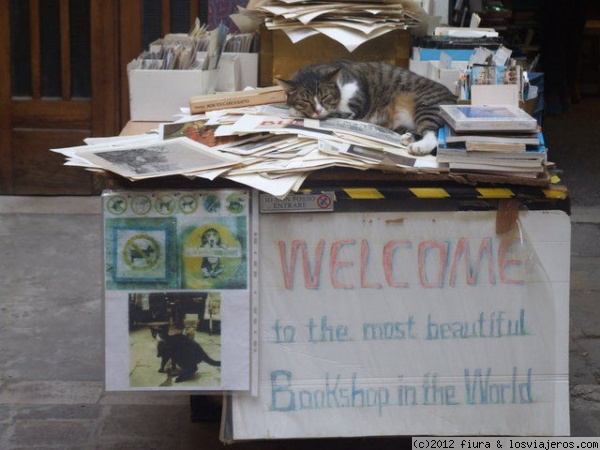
column 374, row 92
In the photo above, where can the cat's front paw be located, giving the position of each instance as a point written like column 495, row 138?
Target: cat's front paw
column 407, row 138
column 423, row 146
column 420, row 148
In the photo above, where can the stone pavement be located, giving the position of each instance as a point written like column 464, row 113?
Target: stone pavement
column 51, row 342
column 584, row 355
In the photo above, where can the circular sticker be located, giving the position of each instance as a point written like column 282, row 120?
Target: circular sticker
column 116, row 205
column 141, row 205
column 165, row 204
column 188, row 204
column 141, row 252
column 212, row 203
column 234, row 203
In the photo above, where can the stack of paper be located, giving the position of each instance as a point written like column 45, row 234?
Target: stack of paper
column 499, row 139
column 259, row 146
column 351, row 23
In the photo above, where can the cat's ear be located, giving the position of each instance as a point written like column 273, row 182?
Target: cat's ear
column 333, row 75
column 285, row 84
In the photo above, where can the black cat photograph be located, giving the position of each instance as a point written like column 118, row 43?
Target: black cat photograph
column 184, row 354
column 172, row 344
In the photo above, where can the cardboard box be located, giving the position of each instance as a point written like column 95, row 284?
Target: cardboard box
column 432, row 70
column 238, row 71
column 447, row 77
column 279, row 57
column 158, row 95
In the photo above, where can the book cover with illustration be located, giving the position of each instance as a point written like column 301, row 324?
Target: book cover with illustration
column 487, row 118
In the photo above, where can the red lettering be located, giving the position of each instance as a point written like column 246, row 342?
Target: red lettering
column 311, row 279
column 436, row 265
column 472, row 273
column 425, row 249
column 274, row 122
column 388, row 261
column 504, row 263
column 364, row 260
column 335, row 264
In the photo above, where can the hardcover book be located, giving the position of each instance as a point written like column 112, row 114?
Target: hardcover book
column 528, row 172
column 487, row 118
column 495, row 147
column 251, row 97
column 515, row 137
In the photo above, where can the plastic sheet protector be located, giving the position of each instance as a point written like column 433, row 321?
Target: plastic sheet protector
column 178, row 290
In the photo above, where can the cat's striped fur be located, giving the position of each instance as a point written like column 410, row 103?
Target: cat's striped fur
column 374, row 92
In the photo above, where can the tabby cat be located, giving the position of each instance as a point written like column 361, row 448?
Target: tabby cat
column 374, row 92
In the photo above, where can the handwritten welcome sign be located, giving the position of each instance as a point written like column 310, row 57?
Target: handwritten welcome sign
column 410, row 324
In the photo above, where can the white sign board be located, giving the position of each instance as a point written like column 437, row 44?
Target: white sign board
column 410, row 324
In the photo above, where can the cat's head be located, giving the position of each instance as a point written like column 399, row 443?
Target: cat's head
column 311, row 94
column 189, row 331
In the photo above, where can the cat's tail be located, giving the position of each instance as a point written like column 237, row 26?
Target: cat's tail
column 212, row 362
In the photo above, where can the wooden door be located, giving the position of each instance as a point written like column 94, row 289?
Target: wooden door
column 62, row 79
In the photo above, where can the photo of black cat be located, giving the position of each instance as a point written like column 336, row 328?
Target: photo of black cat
column 183, row 353
column 171, row 338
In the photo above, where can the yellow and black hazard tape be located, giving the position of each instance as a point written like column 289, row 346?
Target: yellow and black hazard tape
column 454, row 192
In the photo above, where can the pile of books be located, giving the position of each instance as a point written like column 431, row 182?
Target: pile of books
column 501, row 139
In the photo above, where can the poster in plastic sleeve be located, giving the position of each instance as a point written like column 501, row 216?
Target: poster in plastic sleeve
column 177, row 289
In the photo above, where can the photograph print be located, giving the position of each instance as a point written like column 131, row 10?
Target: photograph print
column 161, row 158
column 214, row 254
column 175, row 340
